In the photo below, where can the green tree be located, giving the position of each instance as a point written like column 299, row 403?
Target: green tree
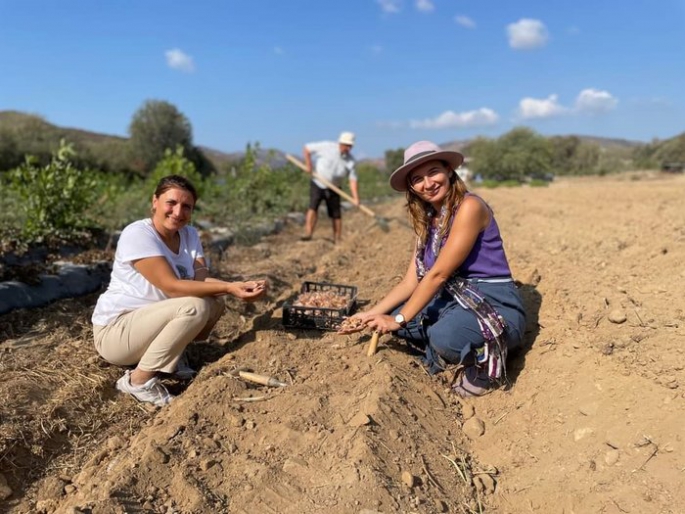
column 156, row 127
column 518, row 154
column 485, row 157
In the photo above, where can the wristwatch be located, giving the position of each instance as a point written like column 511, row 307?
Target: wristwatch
column 399, row 319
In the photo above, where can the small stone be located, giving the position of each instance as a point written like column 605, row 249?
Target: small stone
column 473, row 428
column 157, row 455
column 467, row 411
column 408, row 479
column 207, row 464
column 236, row 421
column 360, row 419
column 115, row 442
column 487, row 483
column 580, row 433
column 617, row 316
column 441, row 506
column 611, row 457
column 5, row 490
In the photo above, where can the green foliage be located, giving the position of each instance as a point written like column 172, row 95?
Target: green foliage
column 394, row 159
column 570, row 156
column 538, row 183
column 518, row 154
column 175, row 163
column 156, row 127
column 489, row 183
column 657, row 153
column 54, row 197
column 373, row 183
column 253, row 192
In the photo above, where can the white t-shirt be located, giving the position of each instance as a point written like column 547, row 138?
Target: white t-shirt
column 128, row 289
column 330, row 164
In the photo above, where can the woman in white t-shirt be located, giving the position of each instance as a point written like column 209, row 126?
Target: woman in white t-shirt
column 160, row 296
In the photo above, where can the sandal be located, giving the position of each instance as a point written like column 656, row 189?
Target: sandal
column 472, row 383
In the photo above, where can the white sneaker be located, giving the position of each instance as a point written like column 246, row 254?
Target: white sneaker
column 183, row 369
column 151, row 391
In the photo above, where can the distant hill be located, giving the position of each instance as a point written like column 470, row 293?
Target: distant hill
column 51, row 134
column 22, row 121
column 45, row 133
column 603, row 142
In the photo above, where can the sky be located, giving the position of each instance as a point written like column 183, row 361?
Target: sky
column 282, row 73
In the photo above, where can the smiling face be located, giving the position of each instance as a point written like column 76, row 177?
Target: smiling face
column 172, row 210
column 430, row 181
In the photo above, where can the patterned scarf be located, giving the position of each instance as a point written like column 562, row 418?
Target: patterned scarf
column 491, row 324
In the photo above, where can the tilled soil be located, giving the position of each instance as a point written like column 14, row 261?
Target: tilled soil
column 590, row 422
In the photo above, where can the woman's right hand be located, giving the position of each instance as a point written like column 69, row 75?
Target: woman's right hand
column 248, row 291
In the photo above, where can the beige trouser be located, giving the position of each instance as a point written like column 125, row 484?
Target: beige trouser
column 154, row 337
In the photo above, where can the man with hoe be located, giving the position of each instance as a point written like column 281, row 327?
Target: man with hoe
column 332, row 162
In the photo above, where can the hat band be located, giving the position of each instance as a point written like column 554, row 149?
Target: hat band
column 419, row 155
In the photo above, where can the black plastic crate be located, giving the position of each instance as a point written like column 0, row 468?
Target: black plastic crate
column 299, row 316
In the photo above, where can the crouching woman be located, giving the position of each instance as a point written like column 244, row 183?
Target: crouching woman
column 160, row 296
column 457, row 300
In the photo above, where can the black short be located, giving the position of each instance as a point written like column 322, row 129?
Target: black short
column 332, row 199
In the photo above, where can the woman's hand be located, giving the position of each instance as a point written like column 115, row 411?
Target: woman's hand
column 382, row 323
column 248, row 291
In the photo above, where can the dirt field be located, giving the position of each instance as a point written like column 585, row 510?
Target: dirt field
column 592, row 421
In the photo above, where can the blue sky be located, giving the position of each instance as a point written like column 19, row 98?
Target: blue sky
column 286, row 72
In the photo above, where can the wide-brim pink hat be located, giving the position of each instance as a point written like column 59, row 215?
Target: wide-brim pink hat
column 417, row 154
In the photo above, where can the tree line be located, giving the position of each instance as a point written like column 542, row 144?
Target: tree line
column 522, row 154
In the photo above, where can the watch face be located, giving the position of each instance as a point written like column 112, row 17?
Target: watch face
column 399, row 318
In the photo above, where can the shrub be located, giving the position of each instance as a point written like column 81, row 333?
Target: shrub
column 54, row 197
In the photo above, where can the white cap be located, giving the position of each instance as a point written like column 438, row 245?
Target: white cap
column 346, row 138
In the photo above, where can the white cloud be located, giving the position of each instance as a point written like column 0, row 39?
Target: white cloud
column 450, row 119
column 278, row 50
column 527, row 34
column 594, row 101
column 465, row 21
column 376, row 49
column 389, row 6
column 530, row 108
column 573, row 30
column 178, row 60
column 425, row 5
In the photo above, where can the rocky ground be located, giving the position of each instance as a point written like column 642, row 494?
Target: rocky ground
column 591, row 421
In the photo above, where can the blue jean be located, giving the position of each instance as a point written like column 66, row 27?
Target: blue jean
column 449, row 334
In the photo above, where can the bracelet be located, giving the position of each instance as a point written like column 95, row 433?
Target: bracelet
column 201, row 267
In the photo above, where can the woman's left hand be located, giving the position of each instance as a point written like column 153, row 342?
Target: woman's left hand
column 382, row 323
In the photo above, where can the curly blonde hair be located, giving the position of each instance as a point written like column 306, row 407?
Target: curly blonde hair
column 421, row 212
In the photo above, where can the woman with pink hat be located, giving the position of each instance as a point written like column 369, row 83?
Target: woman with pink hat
column 457, row 300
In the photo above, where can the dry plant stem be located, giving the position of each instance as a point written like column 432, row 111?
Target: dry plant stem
column 250, row 398
column 651, row 456
column 456, row 466
column 431, row 478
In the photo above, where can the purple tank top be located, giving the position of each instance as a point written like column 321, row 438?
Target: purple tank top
column 487, row 257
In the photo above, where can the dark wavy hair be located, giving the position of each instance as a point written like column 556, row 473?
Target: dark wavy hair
column 175, row 182
column 421, row 212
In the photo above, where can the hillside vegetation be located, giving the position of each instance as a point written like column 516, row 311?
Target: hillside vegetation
column 103, row 182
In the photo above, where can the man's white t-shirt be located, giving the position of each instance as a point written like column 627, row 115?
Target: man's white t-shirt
column 128, row 289
column 330, row 164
